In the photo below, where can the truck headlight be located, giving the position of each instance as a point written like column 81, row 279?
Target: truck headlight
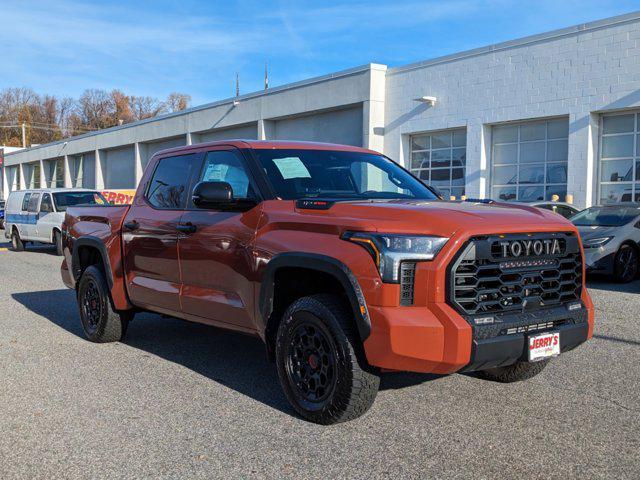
column 596, row 242
column 389, row 250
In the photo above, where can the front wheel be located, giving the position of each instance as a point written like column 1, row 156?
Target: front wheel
column 16, row 242
column 101, row 324
column 57, row 241
column 320, row 362
column 517, row 372
column 626, row 264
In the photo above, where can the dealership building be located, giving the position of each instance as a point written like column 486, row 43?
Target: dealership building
column 551, row 114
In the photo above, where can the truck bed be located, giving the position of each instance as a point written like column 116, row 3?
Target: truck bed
column 101, row 223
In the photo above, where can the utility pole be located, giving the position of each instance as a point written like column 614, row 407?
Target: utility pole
column 24, row 135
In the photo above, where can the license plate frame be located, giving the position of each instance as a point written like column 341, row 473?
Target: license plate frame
column 543, row 346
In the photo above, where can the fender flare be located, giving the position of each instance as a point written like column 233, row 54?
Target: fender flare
column 322, row 263
column 93, row 242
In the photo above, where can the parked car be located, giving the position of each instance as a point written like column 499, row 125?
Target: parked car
column 37, row 215
column 565, row 209
column 1, row 214
column 610, row 236
column 340, row 260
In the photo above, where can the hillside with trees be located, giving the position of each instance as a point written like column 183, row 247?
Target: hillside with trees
column 48, row 118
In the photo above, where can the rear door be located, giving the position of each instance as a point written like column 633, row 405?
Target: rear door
column 150, row 235
column 216, row 256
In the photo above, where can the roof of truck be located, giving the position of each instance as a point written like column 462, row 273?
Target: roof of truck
column 270, row 144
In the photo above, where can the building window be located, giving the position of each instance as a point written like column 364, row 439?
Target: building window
column 620, row 158
column 529, row 161
column 439, row 159
column 59, row 176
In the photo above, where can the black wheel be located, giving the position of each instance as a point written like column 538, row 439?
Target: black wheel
column 514, row 373
column 320, row 362
column 101, row 324
column 57, row 241
column 16, row 242
column 625, row 264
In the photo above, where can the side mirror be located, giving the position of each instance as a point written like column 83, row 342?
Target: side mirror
column 212, row 194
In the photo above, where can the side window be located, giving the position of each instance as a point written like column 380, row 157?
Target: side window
column 226, row 166
column 46, row 206
column 566, row 212
column 33, row 203
column 170, row 181
column 25, row 202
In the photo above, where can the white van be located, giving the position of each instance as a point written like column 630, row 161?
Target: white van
column 37, row 215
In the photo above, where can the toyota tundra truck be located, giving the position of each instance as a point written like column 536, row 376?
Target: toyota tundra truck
column 341, row 261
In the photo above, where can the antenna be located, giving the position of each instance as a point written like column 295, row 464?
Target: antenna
column 237, row 85
column 266, row 76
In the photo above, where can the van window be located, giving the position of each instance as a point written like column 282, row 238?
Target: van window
column 46, row 206
column 25, row 202
column 33, row 203
column 168, row 187
column 63, row 200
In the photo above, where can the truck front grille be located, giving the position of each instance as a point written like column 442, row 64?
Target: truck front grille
column 486, row 277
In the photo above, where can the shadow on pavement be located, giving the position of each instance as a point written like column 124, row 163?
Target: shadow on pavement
column 234, row 360
column 604, row 283
column 31, row 247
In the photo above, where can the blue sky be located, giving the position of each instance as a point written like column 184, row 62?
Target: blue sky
column 196, row 46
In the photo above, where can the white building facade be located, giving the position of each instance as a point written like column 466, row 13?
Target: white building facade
column 552, row 114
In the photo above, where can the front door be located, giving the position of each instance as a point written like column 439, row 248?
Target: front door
column 150, row 235
column 47, row 219
column 216, row 256
column 31, row 227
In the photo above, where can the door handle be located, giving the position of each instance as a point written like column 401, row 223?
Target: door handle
column 186, row 228
column 131, row 226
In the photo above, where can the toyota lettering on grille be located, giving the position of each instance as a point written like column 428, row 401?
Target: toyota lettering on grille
column 526, row 248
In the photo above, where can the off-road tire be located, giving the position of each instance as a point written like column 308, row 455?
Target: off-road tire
column 625, row 264
column 16, row 242
column 57, row 241
column 355, row 383
column 517, row 372
column 100, row 322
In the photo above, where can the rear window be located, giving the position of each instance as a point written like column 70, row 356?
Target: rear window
column 63, row 200
column 168, row 187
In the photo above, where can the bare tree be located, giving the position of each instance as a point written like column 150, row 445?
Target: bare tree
column 48, row 118
column 146, row 107
column 177, row 102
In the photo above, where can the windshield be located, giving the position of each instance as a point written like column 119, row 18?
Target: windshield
column 338, row 175
column 71, row 199
column 605, row 216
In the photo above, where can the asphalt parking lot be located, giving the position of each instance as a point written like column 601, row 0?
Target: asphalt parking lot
column 184, row 400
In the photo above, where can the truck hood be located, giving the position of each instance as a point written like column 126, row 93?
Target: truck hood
column 440, row 217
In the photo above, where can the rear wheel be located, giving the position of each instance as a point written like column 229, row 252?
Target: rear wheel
column 57, row 241
column 514, row 373
column 626, row 264
column 320, row 362
column 100, row 322
column 16, row 242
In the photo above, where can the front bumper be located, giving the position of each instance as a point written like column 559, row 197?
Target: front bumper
column 598, row 261
column 437, row 339
column 509, row 349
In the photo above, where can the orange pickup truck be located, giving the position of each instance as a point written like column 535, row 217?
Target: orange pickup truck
column 340, row 260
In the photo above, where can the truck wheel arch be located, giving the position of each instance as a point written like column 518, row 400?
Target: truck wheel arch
column 92, row 243
column 315, row 262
